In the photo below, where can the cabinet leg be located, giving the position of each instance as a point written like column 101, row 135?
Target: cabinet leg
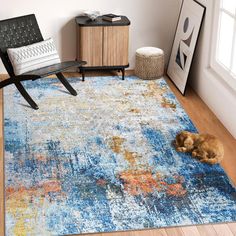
column 82, row 71
column 123, row 74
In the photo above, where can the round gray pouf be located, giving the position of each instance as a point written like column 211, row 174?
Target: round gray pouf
column 149, row 63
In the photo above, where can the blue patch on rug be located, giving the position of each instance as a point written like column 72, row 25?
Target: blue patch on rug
column 103, row 161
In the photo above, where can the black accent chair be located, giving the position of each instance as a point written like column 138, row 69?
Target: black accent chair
column 22, row 31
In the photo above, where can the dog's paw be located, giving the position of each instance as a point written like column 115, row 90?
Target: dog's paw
column 181, row 149
column 194, row 154
column 203, row 160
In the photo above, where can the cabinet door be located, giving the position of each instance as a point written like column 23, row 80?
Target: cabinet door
column 90, row 45
column 115, row 45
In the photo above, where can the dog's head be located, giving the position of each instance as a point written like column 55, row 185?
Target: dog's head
column 184, row 139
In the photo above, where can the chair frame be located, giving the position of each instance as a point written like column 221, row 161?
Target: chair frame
column 23, row 31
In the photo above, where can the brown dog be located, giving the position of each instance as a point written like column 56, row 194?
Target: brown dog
column 205, row 147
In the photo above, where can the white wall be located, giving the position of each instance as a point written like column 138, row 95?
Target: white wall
column 153, row 22
column 219, row 97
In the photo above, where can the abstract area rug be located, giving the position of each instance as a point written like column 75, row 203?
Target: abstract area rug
column 103, row 161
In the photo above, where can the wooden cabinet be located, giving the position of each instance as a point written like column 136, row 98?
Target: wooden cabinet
column 115, row 45
column 90, row 47
column 104, row 45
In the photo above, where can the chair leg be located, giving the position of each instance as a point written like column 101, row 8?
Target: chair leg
column 26, row 95
column 63, row 80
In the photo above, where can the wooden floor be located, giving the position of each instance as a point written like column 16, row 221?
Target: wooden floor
column 205, row 121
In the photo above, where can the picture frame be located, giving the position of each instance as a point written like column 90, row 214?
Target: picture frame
column 186, row 36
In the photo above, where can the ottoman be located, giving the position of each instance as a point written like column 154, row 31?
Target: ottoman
column 149, row 63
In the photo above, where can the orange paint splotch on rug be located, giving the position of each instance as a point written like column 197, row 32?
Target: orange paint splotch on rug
column 23, row 204
column 51, row 186
column 130, row 157
column 18, row 204
column 154, row 90
column 20, row 191
column 134, row 110
column 139, row 182
column 41, row 158
column 176, row 190
column 167, row 104
column 9, row 191
column 116, row 144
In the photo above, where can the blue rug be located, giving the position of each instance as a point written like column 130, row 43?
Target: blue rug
column 103, row 161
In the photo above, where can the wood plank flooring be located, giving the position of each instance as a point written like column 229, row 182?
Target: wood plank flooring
column 205, row 121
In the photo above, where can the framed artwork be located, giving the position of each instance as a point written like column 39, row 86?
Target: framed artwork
column 186, row 36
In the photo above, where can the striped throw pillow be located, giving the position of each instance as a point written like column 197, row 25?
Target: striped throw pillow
column 34, row 56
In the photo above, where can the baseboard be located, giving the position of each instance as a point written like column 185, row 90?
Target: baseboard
column 127, row 73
